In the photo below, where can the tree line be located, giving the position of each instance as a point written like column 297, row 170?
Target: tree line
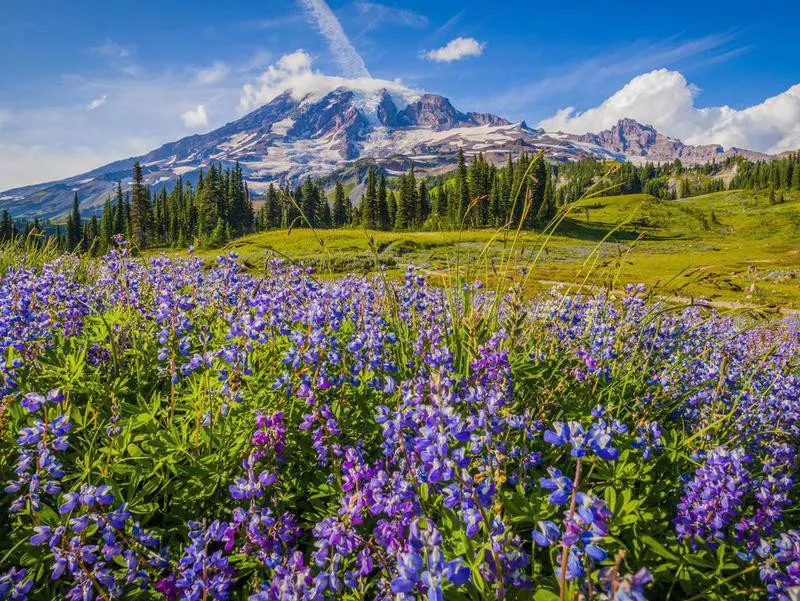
column 526, row 191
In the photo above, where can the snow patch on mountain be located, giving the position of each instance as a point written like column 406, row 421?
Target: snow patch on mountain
column 296, row 135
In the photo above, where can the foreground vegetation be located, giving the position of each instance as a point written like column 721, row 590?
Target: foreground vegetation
column 177, row 430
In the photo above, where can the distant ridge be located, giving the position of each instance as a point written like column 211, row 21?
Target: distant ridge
column 289, row 139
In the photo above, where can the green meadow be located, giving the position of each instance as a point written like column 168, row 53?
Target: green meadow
column 734, row 248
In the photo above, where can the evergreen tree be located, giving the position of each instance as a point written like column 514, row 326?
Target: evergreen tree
column 6, row 226
column 462, row 190
column 391, row 209
column 369, row 204
column 107, row 226
column 309, row 203
column 402, row 219
column 140, row 208
column 74, row 226
column 273, row 209
column 340, row 216
column 384, row 218
column 442, row 205
column 538, row 187
column 423, row 203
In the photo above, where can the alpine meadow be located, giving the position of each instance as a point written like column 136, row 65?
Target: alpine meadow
column 341, row 339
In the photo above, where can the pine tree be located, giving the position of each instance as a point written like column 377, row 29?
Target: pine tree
column 309, row 203
column 796, row 177
column 369, row 204
column 74, row 227
column 272, row 209
column 686, row 190
column 462, row 190
column 241, row 211
column 6, row 226
column 140, row 208
column 423, row 203
column 495, row 208
column 402, row 217
column 538, row 187
column 340, row 216
column 107, row 226
column 548, row 208
column 442, row 205
column 323, row 209
column 384, row 219
column 392, row 210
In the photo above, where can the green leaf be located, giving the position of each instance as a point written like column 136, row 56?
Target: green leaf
column 657, row 547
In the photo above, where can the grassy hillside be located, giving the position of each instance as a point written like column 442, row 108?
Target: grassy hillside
column 732, row 246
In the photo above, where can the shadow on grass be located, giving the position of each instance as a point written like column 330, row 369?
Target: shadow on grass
column 593, row 231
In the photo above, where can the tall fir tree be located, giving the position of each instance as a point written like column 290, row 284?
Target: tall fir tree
column 462, row 190
column 384, row 218
column 74, row 226
column 369, row 205
column 340, row 216
column 140, row 208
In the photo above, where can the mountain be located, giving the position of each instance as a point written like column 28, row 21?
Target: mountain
column 643, row 143
column 289, row 139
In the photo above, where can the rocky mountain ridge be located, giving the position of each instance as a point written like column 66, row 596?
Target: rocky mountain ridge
column 289, row 139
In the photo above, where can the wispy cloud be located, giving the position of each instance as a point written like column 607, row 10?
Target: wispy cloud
column 118, row 56
column 276, row 22
column 259, row 60
column 97, row 102
column 111, row 49
column 214, row 73
column 349, row 60
column 381, row 13
column 455, row 50
column 447, row 25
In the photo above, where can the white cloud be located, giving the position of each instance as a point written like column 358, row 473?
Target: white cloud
column 455, row 50
column 345, row 55
column 588, row 80
column 378, row 13
column 196, row 117
column 213, row 74
column 665, row 100
column 294, row 73
column 97, row 102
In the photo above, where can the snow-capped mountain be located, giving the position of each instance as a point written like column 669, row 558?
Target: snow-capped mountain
column 289, row 139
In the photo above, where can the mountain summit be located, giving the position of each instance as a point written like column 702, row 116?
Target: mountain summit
column 289, row 138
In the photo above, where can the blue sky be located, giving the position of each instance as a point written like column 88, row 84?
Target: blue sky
column 87, row 82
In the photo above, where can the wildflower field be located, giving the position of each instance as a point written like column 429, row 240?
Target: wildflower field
column 175, row 430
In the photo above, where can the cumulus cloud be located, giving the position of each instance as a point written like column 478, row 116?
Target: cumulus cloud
column 213, row 74
column 97, row 102
column 378, row 13
column 294, row 73
column 665, row 100
column 345, row 55
column 196, row 117
column 455, row 50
